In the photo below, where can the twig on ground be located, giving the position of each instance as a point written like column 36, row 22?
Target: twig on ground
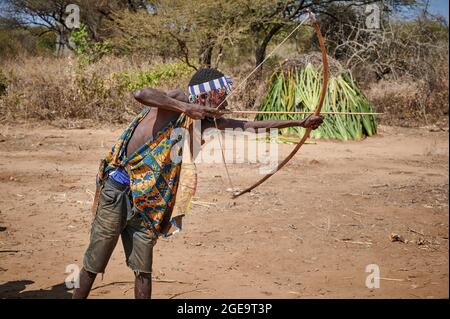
column 354, row 212
column 172, row 281
column 391, row 279
column 320, row 228
column 328, row 224
column 112, row 284
column 185, row 292
column 205, row 204
column 379, row 185
column 415, row 231
column 132, row 282
column 355, row 242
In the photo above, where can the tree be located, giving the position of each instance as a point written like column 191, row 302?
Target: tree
column 52, row 16
column 176, row 28
column 202, row 28
column 269, row 18
column 94, row 13
column 390, row 50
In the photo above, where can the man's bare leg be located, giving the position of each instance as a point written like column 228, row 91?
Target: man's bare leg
column 143, row 285
column 86, row 281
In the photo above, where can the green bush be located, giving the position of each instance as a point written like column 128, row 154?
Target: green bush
column 88, row 51
column 131, row 81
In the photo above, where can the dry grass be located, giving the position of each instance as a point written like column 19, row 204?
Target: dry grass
column 49, row 89
column 411, row 102
column 61, row 92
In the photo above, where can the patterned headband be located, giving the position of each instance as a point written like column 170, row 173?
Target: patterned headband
column 223, row 82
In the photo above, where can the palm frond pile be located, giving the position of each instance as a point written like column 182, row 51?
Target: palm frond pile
column 296, row 88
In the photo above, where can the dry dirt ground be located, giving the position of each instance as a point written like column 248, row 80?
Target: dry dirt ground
column 309, row 232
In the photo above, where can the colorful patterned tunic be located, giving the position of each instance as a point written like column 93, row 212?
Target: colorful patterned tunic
column 154, row 176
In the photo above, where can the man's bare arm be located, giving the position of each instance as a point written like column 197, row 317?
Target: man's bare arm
column 155, row 98
column 222, row 124
column 179, row 95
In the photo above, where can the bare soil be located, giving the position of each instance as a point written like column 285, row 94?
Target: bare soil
column 308, row 232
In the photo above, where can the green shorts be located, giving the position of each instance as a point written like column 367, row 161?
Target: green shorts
column 115, row 217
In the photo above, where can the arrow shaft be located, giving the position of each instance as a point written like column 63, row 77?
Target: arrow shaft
column 283, row 112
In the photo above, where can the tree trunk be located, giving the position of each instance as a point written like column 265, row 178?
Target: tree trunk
column 260, row 52
column 206, row 57
column 63, row 47
column 206, row 50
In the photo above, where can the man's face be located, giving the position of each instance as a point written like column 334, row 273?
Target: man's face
column 214, row 99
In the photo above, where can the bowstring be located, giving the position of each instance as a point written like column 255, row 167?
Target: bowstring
column 223, row 156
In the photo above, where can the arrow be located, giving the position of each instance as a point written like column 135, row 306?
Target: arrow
column 283, row 112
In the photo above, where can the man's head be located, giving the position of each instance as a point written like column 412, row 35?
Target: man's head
column 209, row 87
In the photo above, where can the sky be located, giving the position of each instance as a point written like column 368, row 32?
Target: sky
column 439, row 7
column 435, row 7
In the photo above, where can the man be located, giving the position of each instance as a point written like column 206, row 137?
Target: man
column 137, row 181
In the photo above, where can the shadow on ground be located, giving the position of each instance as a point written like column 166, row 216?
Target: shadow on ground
column 15, row 290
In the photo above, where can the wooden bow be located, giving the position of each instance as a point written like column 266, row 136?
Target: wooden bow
column 316, row 112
